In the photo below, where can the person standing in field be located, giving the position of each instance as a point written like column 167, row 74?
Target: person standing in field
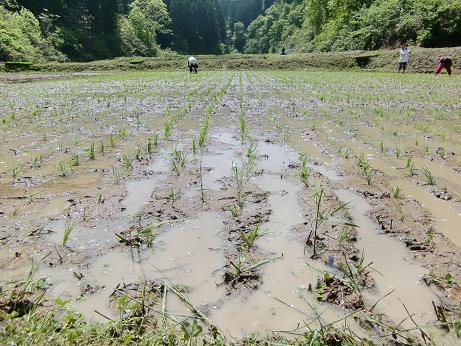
column 192, row 63
column 404, row 58
column 445, row 62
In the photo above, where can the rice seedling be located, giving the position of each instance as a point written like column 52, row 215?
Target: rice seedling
column 234, row 210
column 75, row 161
column 91, row 153
column 178, row 161
column 116, row 175
column 412, row 170
column 409, row 162
column 63, row 169
column 138, row 154
column 396, row 192
column 150, row 146
column 429, row 176
column 240, row 194
column 37, row 161
column 168, row 129
column 127, row 162
column 430, row 237
column 102, row 148
column 173, row 196
column 203, row 133
column 194, row 147
column 15, row 171
column 123, row 133
column 398, row 153
column 112, row 141
column 324, row 215
column 304, row 172
column 69, row 227
column 381, row 146
column 250, row 238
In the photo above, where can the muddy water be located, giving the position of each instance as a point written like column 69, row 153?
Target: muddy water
column 282, row 302
column 186, row 254
column 139, row 193
column 393, row 269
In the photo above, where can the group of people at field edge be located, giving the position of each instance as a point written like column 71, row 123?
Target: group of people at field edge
column 445, row 62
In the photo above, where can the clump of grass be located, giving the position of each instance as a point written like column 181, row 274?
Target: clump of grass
column 69, row 227
column 429, row 176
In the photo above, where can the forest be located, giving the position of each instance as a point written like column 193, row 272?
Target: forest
column 85, row 30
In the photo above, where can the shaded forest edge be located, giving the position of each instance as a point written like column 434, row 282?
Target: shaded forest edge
column 423, row 60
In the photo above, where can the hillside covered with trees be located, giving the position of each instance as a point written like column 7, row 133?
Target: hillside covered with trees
column 84, row 30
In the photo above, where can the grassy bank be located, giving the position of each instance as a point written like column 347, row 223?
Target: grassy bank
column 422, row 61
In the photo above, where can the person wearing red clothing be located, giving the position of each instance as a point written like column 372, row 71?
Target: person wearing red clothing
column 446, row 63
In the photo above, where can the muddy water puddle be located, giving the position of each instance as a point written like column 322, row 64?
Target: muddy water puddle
column 393, row 271
column 188, row 254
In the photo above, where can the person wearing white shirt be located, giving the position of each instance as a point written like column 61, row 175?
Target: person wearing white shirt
column 192, row 63
column 404, row 58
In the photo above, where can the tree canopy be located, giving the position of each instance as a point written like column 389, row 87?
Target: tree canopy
column 82, row 30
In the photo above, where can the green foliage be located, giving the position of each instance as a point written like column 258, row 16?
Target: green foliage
column 139, row 29
column 313, row 25
column 21, row 38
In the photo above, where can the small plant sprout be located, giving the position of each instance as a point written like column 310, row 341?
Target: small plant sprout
column 37, row 161
column 138, row 154
column 398, row 153
column 203, row 134
column 168, row 129
column 75, row 161
column 117, row 176
column 102, row 148
column 430, row 237
column 126, row 162
column 173, row 196
column 304, row 172
column 194, row 147
column 240, row 194
column 91, row 153
column 112, row 141
column 429, row 177
column 63, row 169
column 15, row 171
column 409, row 162
column 322, row 216
column 123, row 133
column 150, row 146
column 381, row 146
column 250, row 237
column 396, row 192
column 234, row 210
column 69, row 227
column 178, row 161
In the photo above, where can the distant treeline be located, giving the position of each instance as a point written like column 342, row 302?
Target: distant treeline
column 84, row 30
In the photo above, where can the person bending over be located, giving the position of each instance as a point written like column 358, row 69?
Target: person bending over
column 193, row 64
column 446, row 63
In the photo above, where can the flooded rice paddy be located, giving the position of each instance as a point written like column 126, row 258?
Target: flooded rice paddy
column 274, row 201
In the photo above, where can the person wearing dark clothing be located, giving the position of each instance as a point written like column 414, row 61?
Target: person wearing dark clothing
column 446, row 63
column 283, row 52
